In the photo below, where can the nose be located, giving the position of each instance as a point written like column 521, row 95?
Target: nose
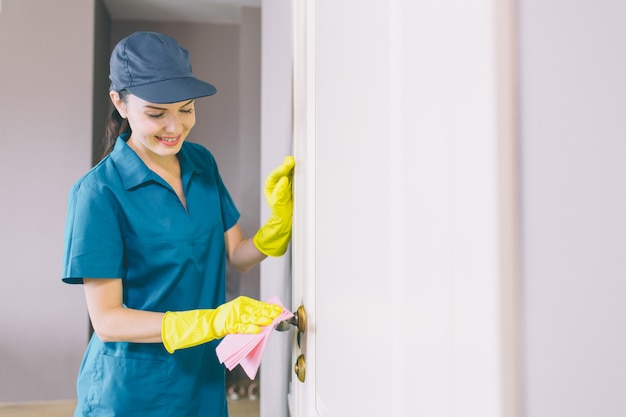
column 173, row 124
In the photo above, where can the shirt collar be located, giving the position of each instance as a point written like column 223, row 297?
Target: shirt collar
column 134, row 172
column 187, row 164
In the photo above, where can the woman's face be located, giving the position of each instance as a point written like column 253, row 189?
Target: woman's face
column 157, row 129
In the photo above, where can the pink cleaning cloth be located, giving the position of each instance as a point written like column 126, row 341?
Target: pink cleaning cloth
column 247, row 349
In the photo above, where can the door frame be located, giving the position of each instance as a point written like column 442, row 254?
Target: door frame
column 303, row 249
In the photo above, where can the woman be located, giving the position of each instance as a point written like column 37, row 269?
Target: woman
column 148, row 234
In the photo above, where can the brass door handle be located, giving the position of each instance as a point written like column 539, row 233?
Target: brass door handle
column 300, row 368
column 298, row 320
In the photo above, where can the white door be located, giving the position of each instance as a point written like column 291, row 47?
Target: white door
column 403, row 246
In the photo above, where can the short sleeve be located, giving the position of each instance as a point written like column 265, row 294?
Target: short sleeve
column 93, row 238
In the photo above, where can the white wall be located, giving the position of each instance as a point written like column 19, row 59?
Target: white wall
column 573, row 152
column 46, row 54
column 276, row 142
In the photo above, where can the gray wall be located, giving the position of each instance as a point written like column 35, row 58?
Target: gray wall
column 53, row 105
column 248, row 184
column 573, row 150
column 46, row 54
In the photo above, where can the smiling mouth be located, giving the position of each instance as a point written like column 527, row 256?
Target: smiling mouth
column 169, row 141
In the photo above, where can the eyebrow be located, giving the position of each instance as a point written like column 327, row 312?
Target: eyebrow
column 163, row 108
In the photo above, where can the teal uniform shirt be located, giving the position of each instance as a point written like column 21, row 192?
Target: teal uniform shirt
column 124, row 221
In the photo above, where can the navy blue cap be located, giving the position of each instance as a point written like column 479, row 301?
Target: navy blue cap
column 154, row 67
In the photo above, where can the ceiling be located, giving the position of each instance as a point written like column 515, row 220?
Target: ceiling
column 195, row 11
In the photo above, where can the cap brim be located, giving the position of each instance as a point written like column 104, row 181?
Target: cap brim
column 173, row 91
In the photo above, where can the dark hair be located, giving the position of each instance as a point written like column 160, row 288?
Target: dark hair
column 115, row 126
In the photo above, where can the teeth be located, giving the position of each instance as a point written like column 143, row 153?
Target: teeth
column 168, row 139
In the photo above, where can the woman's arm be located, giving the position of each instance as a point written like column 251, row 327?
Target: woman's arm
column 241, row 252
column 176, row 330
column 274, row 236
column 115, row 323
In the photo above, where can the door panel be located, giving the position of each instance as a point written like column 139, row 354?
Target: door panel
column 397, row 246
column 340, row 266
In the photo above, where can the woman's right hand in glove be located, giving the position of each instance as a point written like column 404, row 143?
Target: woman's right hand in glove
column 183, row 329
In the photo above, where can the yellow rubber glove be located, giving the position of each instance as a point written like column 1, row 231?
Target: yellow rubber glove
column 273, row 237
column 183, row 329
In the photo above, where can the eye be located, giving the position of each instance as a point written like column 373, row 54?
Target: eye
column 154, row 115
column 187, row 111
